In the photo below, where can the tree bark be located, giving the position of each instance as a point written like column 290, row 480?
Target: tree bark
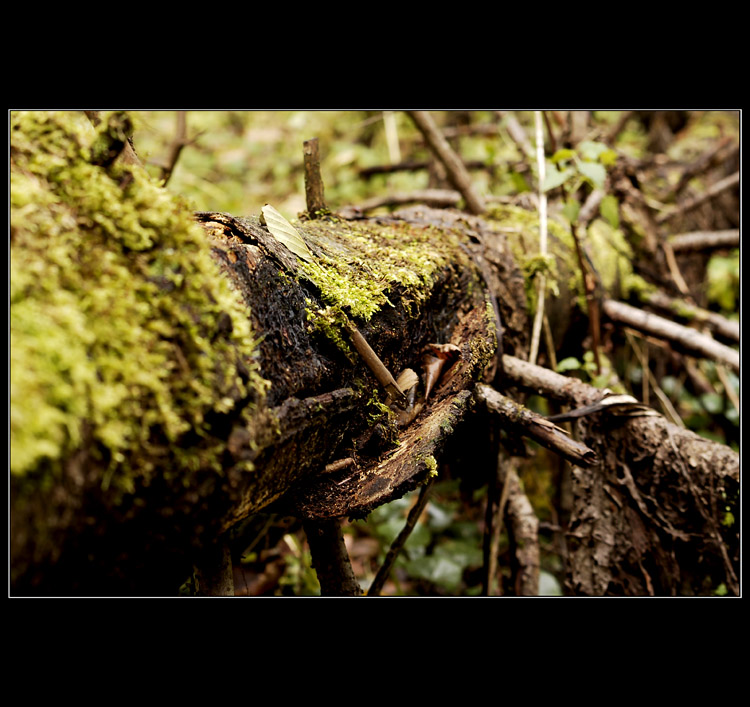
column 322, row 404
column 650, row 518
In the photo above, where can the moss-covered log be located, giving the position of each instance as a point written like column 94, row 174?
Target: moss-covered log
column 155, row 402
column 173, row 373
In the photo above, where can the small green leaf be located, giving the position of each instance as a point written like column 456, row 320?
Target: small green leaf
column 568, row 364
column 610, row 210
column 591, row 150
column 571, row 209
column 593, row 171
column 608, row 158
column 555, row 177
column 519, row 183
column 284, row 232
column 563, row 155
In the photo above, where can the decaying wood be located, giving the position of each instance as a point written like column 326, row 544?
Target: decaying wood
column 355, row 492
column 651, row 500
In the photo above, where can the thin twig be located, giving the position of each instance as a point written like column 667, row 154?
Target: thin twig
column 552, row 141
column 705, row 240
column 649, row 378
column 721, row 371
column 391, row 136
column 715, row 322
column 179, row 141
column 495, row 515
column 693, row 203
column 713, row 156
column 542, row 286
column 618, row 127
column 517, row 133
column 411, row 521
column 450, row 160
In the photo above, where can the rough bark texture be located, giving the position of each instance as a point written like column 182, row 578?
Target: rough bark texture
column 657, row 514
column 650, row 520
column 413, row 283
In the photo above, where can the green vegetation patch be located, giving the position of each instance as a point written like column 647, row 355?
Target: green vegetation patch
column 125, row 338
column 605, row 244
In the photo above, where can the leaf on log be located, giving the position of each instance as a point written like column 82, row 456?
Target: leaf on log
column 284, row 232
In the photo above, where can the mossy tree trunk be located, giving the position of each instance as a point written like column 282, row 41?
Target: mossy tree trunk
column 161, row 402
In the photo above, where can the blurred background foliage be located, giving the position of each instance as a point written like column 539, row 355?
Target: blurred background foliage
column 237, row 161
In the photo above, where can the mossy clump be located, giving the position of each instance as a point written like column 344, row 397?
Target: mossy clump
column 125, row 338
column 357, row 267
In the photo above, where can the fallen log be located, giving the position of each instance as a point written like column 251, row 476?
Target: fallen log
column 199, row 394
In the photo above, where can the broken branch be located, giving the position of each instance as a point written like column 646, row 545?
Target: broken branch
column 314, row 194
column 384, row 376
column 535, row 426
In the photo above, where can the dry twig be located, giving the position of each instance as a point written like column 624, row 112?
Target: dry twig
column 705, row 240
column 451, row 161
column 688, row 339
column 694, row 202
column 411, row 521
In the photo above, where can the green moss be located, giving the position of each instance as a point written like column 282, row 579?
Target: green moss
column 357, row 267
column 124, row 335
column 330, row 321
column 431, row 466
column 636, row 285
